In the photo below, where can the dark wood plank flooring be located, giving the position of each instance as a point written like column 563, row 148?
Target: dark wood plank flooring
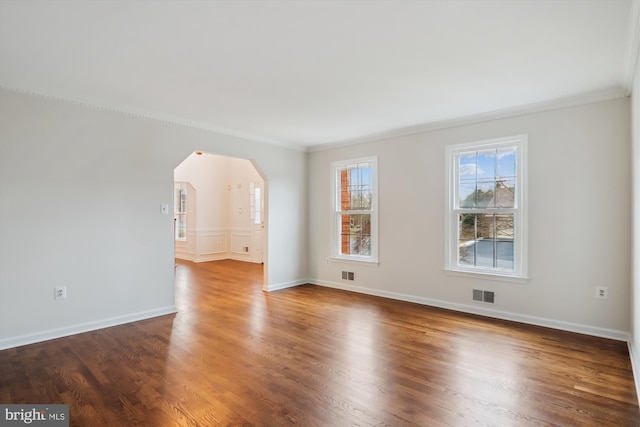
column 313, row 356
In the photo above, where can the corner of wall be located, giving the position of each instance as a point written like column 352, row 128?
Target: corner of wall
column 635, row 365
column 634, row 336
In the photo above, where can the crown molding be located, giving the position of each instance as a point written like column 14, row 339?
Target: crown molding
column 556, row 104
column 156, row 116
column 567, row 102
column 633, row 46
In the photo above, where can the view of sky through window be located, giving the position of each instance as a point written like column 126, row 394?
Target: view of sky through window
column 487, row 178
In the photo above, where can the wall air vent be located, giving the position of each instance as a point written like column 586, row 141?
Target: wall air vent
column 488, row 296
column 348, row 275
column 484, row 296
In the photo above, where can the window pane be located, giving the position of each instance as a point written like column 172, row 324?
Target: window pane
column 467, row 193
column 486, row 240
column 467, row 239
column 355, row 234
column 467, row 165
column 505, row 193
column 486, row 161
column 181, row 227
column 361, row 188
column 467, row 253
column 467, row 226
column 356, row 187
column 487, row 179
column 257, row 217
column 484, row 253
column 504, row 226
column 484, row 195
column 484, row 226
column 180, row 198
column 504, row 241
column 504, row 256
column 506, row 163
column 179, row 210
column 345, row 194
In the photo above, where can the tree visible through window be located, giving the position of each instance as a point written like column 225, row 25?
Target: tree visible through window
column 486, row 215
column 355, row 208
column 486, row 182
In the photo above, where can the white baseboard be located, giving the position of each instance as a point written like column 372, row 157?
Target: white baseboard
column 635, row 366
column 485, row 311
column 285, row 285
column 209, row 258
column 21, row 340
column 215, row 257
column 184, row 256
column 202, row 258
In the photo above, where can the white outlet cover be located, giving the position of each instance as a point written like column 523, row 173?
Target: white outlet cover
column 60, row 292
column 602, row 292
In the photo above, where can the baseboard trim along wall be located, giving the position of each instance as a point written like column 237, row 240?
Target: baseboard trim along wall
column 207, row 258
column 285, row 285
column 83, row 327
column 635, row 366
column 487, row 312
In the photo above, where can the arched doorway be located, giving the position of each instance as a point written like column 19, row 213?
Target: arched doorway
column 219, row 209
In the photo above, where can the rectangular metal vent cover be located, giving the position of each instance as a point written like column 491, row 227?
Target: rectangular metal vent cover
column 488, row 296
column 348, row 275
column 485, row 296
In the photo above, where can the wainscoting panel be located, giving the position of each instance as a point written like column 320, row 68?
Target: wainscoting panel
column 212, row 242
column 241, row 242
column 187, row 249
column 216, row 244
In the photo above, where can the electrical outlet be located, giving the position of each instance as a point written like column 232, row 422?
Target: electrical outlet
column 60, row 292
column 602, row 292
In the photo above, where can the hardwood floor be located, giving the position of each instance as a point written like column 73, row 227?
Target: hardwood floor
column 313, row 356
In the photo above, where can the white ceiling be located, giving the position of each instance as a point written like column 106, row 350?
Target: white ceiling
column 315, row 72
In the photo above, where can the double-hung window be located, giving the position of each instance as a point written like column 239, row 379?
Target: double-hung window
column 486, row 217
column 355, row 212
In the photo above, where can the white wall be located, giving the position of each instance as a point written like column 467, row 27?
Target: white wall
column 207, row 175
column 81, row 188
column 579, row 219
column 80, row 196
column 240, row 174
column 221, row 226
column 635, row 293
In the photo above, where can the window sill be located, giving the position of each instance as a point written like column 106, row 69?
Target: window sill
column 487, row 275
column 361, row 261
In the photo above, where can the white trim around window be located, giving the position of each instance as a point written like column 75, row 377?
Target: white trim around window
column 486, row 210
column 354, row 219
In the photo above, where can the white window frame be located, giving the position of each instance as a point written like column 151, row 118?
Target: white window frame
column 256, row 204
column 336, row 168
column 519, row 273
column 178, row 187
